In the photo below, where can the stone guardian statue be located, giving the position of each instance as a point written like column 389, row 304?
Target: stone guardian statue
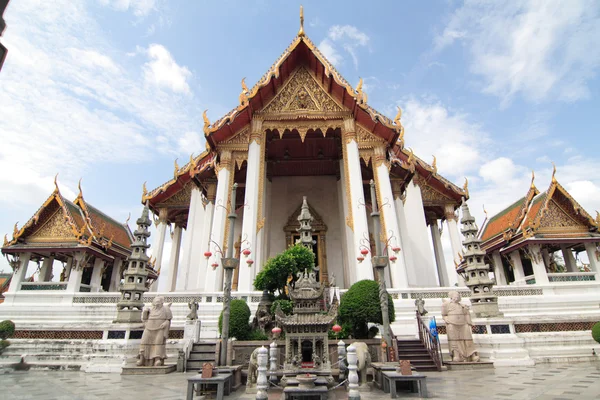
column 458, row 328
column 157, row 321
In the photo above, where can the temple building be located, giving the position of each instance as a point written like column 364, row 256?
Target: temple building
column 89, row 245
column 522, row 241
column 303, row 130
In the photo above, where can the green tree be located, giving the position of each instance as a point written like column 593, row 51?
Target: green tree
column 7, row 329
column 239, row 320
column 360, row 305
column 596, row 332
column 273, row 278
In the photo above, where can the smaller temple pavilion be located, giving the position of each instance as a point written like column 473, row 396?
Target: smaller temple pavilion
column 90, row 246
column 522, row 240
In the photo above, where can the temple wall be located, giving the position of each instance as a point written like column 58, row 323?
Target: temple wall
column 322, row 195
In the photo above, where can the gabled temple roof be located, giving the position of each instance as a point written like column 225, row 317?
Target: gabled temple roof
column 552, row 214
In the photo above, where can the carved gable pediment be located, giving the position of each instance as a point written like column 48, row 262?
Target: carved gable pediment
column 302, row 93
column 433, row 197
column 53, row 228
column 556, row 218
column 181, row 198
column 317, row 224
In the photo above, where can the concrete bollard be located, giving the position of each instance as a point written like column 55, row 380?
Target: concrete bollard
column 341, row 356
column 353, row 393
column 262, row 384
column 273, row 365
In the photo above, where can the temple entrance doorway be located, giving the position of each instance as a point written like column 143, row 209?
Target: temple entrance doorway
column 307, row 351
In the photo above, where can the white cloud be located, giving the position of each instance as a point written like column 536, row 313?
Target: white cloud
column 348, row 37
column 190, row 142
column 500, row 170
column 140, row 8
column 455, row 140
column 163, row 71
column 536, row 48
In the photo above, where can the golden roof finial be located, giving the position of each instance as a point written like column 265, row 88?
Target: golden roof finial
column 56, row 183
column 597, row 219
column 191, row 159
column 128, row 218
column 466, row 186
column 144, row 191
column 301, row 31
column 5, row 240
column 244, row 94
column 361, row 96
column 532, row 179
column 553, row 172
column 411, row 156
column 206, row 123
column 434, row 165
column 485, row 212
column 176, row 166
column 16, row 229
column 398, row 116
column 79, row 187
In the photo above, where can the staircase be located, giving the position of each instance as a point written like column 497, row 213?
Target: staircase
column 416, row 352
column 205, row 351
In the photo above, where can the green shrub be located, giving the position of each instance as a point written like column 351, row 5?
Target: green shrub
column 276, row 271
column 257, row 334
column 344, row 333
column 360, row 305
column 286, row 306
column 239, row 317
column 596, row 332
column 7, row 329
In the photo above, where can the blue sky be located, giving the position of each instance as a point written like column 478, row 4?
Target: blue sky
column 112, row 91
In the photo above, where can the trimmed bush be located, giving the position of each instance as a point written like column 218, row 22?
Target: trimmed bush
column 596, row 332
column 286, row 306
column 239, row 320
column 7, row 329
column 360, row 305
column 257, row 334
column 276, row 271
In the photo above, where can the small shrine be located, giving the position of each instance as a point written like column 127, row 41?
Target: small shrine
column 306, row 330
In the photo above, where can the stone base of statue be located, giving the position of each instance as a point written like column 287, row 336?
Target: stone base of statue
column 161, row 370
column 468, row 365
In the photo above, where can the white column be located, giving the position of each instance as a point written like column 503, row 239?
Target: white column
column 592, row 253
column 570, row 262
column 453, row 232
column 79, row 261
column 46, row 270
column 174, row 259
column 499, row 269
column 19, row 272
column 438, row 252
column 160, row 245
column 96, row 281
column 204, row 244
column 347, row 234
column 405, row 244
column 214, row 277
column 115, row 277
column 249, row 233
column 423, row 267
column 196, row 211
column 515, row 257
column 390, row 219
column 360, row 227
column 537, row 263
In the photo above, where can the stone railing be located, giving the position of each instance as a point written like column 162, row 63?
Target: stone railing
column 252, row 298
column 572, row 277
column 442, row 292
column 43, row 286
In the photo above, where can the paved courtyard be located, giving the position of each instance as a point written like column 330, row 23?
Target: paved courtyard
column 546, row 382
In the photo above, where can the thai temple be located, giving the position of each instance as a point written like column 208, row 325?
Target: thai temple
column 303, row 131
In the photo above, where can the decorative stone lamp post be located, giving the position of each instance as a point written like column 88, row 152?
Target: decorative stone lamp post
column 379, row 263
column 229, row 264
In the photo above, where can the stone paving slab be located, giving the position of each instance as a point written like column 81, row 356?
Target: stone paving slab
column 544, row 382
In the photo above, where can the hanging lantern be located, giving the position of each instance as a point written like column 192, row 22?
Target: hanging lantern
column 250, row 262
column 360, row 259
column 364, row 252
column 246, row 252
column 393, row 258
column 336, row 328
column 276, row 331
column 396, row 249
column 214, row 265
column 207, row 254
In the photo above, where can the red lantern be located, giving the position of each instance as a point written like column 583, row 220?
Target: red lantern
column 360, row 259
column 207, row 254
column 214, row 265
column 336, row 328
column 364, row 252
column 396, row 249
column 276, row 331
column 393, row 258
column 246, row 252
column 250, row 262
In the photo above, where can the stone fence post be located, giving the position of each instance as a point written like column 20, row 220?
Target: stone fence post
column 353, row 374
column 262, row 384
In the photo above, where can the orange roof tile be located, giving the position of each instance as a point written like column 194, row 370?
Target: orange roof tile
column 503, row 220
